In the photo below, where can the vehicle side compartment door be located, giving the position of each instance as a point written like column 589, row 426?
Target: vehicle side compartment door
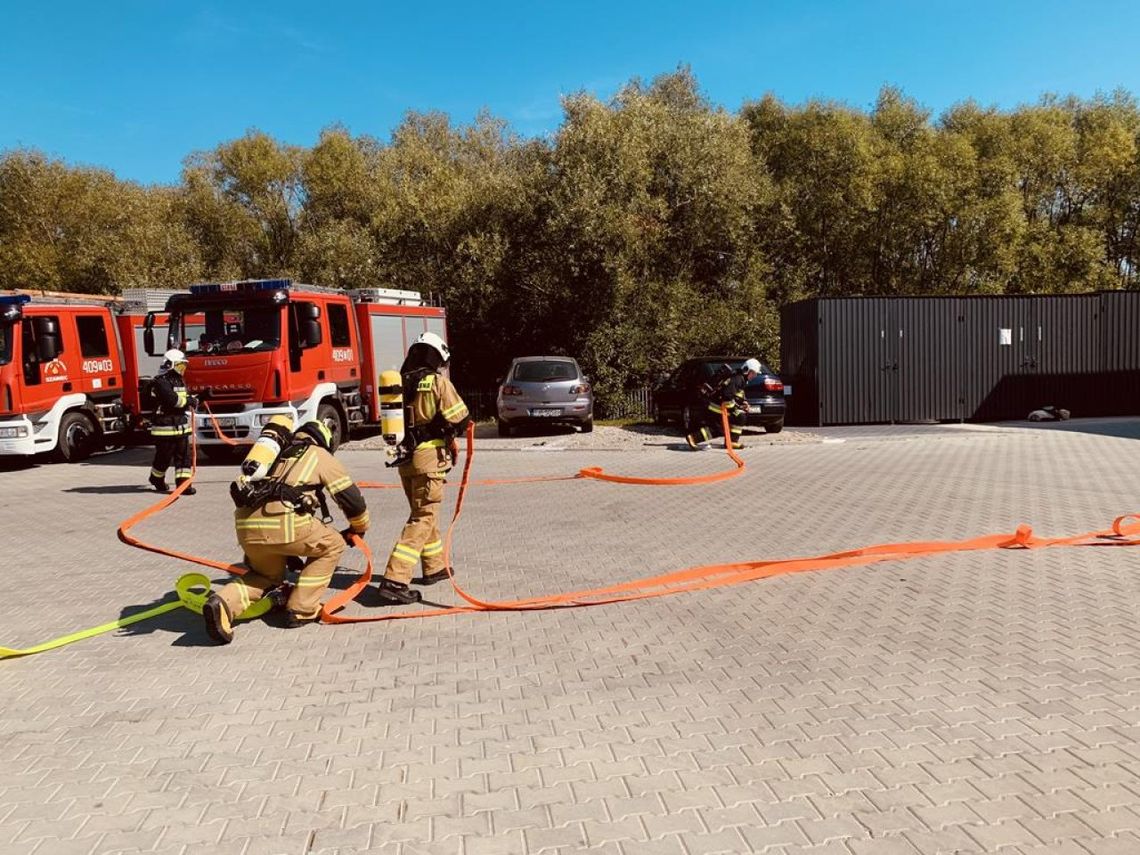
column 344, row 347
column 46, row 380
column 99, row 369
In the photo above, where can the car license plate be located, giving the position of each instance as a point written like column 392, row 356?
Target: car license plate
column 546, row 412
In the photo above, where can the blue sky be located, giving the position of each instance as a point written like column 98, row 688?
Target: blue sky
column 136, row 86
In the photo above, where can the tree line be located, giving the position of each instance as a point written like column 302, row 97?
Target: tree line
column 646, row 229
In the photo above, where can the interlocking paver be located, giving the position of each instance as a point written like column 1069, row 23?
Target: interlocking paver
column 963, row 703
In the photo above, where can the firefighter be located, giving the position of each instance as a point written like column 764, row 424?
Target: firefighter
column 277, row 520
column 435, row 415
column 727, row 392
column 171, row 424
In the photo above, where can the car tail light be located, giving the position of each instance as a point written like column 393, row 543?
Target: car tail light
column 512, row 390
column 771, row 384
column 580, row 389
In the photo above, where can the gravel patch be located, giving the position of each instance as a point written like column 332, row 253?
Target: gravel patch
column 603, row 438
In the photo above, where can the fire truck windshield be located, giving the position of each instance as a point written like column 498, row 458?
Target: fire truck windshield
column 247, row 329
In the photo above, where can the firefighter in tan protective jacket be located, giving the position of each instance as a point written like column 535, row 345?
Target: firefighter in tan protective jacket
column 436, row 414
column 278, row 520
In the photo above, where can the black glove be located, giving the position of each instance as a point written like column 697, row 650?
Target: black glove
column 348, row 535
column 192, row 402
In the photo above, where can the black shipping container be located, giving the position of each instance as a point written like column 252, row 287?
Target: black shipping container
column 899, row 359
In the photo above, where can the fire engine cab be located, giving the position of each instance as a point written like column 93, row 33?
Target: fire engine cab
column 71, row 371
column 261, row 348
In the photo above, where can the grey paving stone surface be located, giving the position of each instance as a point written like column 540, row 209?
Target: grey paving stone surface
column 968, row 703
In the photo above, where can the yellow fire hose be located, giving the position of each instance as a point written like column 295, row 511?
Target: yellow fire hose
column 191, row 589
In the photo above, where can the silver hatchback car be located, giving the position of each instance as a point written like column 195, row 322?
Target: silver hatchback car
column 546, row 389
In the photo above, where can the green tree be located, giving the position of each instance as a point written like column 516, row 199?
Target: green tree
column 244, row 201
column 82, row 230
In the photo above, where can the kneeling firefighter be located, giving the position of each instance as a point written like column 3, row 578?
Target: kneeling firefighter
column 434, row 415
column 278, row 495
column 725, row 389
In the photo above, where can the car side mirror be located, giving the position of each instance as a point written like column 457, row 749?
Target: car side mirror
column 48, row 343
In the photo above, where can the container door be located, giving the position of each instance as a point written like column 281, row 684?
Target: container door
column 998, row 357
column 1119, row 382
column 1067, row 355
column 858, row 347
column 928, row 376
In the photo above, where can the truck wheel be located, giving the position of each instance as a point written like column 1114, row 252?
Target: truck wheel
column 78, row 438
column 329, row 414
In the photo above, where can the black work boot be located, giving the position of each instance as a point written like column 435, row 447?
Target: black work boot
column 159, row 484
column 396, row 593
column 219, row 621
column 293, row 621
column 189, row 491
column 279, row 595
column 433, row 578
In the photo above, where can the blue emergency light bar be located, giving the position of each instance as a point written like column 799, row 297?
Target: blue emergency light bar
column 245, row 286
column 11, row 306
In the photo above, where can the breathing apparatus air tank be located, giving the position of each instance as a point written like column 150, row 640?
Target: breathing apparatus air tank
column 391, row 389
column 274, row 436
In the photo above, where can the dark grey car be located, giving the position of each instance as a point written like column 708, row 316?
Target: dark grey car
column 545, row 389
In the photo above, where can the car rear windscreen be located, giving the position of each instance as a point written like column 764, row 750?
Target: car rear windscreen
column 545, row 372
column 711, row 368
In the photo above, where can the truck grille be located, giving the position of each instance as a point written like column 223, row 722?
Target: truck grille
column 221, row 395
column 232, row 432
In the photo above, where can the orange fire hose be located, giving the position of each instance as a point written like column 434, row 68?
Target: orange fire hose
column 1125, row 531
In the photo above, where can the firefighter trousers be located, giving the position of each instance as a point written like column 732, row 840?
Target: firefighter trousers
column 323, row 547
column 171, row 451
column 420, row 541
column 711, row 427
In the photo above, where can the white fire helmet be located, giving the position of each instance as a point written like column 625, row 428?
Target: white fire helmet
column 172, row 359
column 752, row 365
column 434, row 341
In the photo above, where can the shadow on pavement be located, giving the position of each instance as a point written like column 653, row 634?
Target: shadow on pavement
column 489, row 430
column 112, row 489
column 184, row 622
column 1123, row 427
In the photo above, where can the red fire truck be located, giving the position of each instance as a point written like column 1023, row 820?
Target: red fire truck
column 260, row 348
column 71, row 370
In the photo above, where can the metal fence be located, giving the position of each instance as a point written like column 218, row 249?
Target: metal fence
column 630, row 404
